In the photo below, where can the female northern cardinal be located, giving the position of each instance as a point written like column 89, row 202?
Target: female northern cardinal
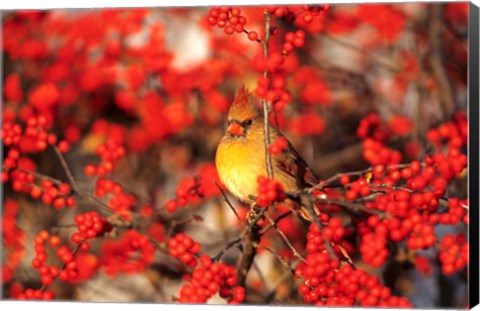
column 240, row 157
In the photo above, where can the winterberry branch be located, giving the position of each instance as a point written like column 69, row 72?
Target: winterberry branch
column 352, row 206
column 316, row 220
column 74, row 252
column 66, row 169
column 242, row 235
column 284, row 237
column 435, row 59
column 230, row 205
column 354, row 47
column 275, row 221
column 266, row 110
column 55, row 181
column 282, row 261
column 337, row 176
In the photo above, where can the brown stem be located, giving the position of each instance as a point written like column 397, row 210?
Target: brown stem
column 337, row 176
column 276, row 220
column 248, row 255
column 77, row 248
column 284, row 237
column 359, row 49
column 353, row 206
column 319, row 224
column 283, row 261
column 246, row 232
column 266, row 111
column 66, row 168
column 55, row 181
column 444, row 86
column 229, row 203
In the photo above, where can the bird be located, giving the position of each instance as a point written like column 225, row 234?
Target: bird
column 240, row 155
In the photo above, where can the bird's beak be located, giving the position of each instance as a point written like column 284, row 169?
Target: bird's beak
column 235, row 129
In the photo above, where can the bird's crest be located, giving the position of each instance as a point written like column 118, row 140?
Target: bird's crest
column 243, row 106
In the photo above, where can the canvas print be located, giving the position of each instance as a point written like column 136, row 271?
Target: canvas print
column 299, row 155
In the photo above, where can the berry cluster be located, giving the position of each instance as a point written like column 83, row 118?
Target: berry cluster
column 293, row 40
column 210, row 278
column 188, row 190
column 269, row 191
column 89, row 225
column 278, row 145
column 328, row 284
column 377, row 153
column 273, row 89
column 453, row 134
column 11, row 134
column 230, row 20
column 34, row 138
column 448, row 166
column 422, row 236
column 119, row 201
column 371, row 127
column 59, row 195
column 357, row 188
column 191, row 189
column 131, row 253
column 10, row 161
column 110, row 152
column 332, row 231
column 31, row 294
column 184, row 248
column 13, row 240
column 69, row 271
column 308, row 12
column 453, row 253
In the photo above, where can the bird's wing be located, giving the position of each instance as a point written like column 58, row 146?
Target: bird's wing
column 293, row 164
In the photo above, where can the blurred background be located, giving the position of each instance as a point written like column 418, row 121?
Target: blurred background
column 159, row 81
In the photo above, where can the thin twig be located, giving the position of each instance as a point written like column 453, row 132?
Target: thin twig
column 229, row 203
column 397, row 188
column 77, row 248
column 55, row 181
column 266, row 229
column 260, row 275
column 242, row 235
column 353, row 206
column 284, row 237
column 359, row 49
column 283, row 261
column 66, row 168
column 266, row 111
column 330, row 180
column 435, row 59
column 316, row 220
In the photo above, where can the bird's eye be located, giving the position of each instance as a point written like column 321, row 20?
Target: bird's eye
column 248, row 122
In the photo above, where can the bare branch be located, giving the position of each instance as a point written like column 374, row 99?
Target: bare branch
column 284, row 237
column 444, row 86
column 66, row 168
column 266, row 111
column 283, row 261
column 229, row 203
